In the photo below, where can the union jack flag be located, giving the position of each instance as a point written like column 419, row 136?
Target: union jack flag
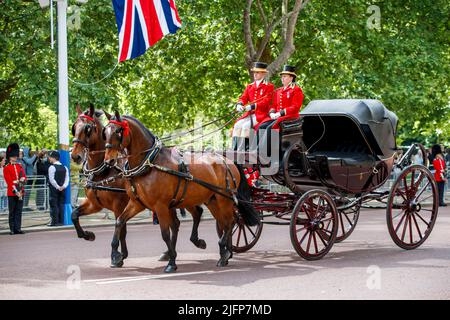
column 142, row 23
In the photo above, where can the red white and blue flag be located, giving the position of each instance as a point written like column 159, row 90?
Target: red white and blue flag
column 142, row 23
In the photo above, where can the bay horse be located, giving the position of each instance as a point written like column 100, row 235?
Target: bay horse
column 89, row 147
column 155, row 182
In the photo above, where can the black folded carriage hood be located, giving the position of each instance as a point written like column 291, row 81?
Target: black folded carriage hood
column 377, row 123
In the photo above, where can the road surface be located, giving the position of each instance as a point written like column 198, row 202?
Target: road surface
column 368, row 265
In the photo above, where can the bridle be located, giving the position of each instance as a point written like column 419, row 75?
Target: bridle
column 90, row 125
column 123, row 131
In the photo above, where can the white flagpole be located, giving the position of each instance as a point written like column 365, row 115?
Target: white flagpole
column 63, row 100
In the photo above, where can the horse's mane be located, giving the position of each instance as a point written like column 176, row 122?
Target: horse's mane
column 143, row 128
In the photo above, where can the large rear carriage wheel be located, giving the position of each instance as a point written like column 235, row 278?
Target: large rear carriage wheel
column 244, row 237
column 412, row 207
column 314, row 224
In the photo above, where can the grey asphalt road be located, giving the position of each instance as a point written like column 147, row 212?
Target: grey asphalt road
column 368, row 265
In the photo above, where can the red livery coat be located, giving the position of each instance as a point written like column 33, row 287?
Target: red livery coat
column 288, row 100
column 439, row 166
column 12, row 173
column 264, row 92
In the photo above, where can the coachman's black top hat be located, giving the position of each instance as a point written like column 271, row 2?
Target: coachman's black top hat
column 12, row 150
column 288, row 70
column 259, row 67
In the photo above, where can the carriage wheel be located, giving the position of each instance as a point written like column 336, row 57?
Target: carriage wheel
column 314, row 224
column 347, row 222
column 244, row 237
column 410, row 215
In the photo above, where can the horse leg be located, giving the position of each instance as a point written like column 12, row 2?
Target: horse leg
column 167, row 222
column 223, row 212
column 123, row 243
column 84, row 209
column 130, row 211
column 196, row 213
column 165, row 255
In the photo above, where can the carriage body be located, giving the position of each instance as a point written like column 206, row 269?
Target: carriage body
column 334, row 158
column 343, row 146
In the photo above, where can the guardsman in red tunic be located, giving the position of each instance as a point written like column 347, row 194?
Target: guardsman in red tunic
column 255, row 101
column 15, row 178
column 286, row 105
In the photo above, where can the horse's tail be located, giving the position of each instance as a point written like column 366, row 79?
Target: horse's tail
column 244, row 196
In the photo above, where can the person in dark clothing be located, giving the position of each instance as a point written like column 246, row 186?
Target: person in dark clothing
column 42, row 165
column 15, row 179
column 58, row 178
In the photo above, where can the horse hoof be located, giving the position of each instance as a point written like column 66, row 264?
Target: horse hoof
column 222, row 263
column 89, row 236
column 124, row 255
column 170, row 268
column 117, row 265
column 116, row 260
column 201, row 244
column 164, row 257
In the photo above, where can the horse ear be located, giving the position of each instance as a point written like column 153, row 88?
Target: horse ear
column 79, row 111
column 91, row 110
column 108, row 116
column 117, row 114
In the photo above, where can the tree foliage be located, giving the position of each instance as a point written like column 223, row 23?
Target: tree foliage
column 202, row 69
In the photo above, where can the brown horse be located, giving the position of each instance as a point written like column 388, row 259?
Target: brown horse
column 89, row 145
column 154, row 182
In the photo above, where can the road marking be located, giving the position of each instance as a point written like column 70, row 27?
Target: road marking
column 159, row 276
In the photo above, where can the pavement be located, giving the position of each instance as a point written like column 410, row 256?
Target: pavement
column 368, row 265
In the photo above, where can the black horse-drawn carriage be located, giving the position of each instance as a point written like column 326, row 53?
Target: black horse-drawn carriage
column 334, row 158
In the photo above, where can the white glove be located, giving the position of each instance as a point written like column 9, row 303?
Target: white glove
column 275, row 116
column 248, row 108
column 239, row 107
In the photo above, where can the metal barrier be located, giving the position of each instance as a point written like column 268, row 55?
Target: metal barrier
column 36, row 197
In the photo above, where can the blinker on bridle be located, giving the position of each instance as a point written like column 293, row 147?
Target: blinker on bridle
column 87, row 128
column 123, row 131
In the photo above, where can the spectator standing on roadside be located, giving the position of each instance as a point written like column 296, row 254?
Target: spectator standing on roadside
column 42, row 165
column 15, row 179
column 3, row 198
column 58, row 178
column 440, row 174
column 28, row 162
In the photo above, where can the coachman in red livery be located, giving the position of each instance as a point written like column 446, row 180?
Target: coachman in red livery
column 286, row 105
column 255, row 101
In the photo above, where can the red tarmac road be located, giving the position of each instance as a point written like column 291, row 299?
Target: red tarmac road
column 368, row 265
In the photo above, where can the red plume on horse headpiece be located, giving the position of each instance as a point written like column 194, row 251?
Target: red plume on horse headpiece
column 123, row 124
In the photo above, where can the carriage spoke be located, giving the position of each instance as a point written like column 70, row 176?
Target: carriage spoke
column 403, row 210
column 345, row 215
column 431, row 195
column 404, row 227
column 304, row 236
column 428, row 225
column 321, row 238
column 250, row 231
column 309, row 242
column 417, row 226
column 236, row 227
column 419, row 180
column 399, row 191
column 315, row 242
column 401, row 220
column 239, row 236
column 245, row 236
column 412, row 178
column 422, row 190
column 342, row 223
column 410, row 229
column 301, row 229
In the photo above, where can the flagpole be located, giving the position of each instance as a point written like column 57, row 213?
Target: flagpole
column 63, row 101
